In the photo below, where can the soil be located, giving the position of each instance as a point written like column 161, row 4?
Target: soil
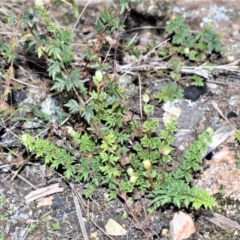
column 57, row 218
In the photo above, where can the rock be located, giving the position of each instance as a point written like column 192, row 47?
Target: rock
column 194, row 92
column 155, row 8
column 181, row 227
column 115, row 229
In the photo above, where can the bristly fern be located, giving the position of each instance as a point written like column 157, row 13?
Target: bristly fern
column 180, row 194
column 176, row 188
column 100, row 163
column 120, row 154
column 53, row 155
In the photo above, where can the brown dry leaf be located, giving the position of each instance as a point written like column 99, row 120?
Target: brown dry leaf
column 87, row 29
column 5, row 108
column 115, row 229
column 112, row 42
column 16, row 85
column 46, row 84
column 127, row 117
column 45, row 201
column 42, row 192
column 125, row 160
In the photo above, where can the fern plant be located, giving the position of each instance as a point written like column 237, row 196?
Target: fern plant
column 196, row 47
column 53, row 155
column 112, row 150
column 148, row 169
column 186, row 46
column 169, row 93
column 175, row 188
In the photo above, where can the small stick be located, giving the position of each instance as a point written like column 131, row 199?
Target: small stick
column 221, row 113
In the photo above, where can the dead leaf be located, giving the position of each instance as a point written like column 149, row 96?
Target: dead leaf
column 5, row 108
column 115, row 229
column 127, row 117
column 45, row 201
column 125, row 160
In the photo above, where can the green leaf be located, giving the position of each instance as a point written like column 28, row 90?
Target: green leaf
column 198, row 80
column 238, row 136
column 88, row 112
column 73, row 106
column 212, row 40
column 169, row 93
column 88, row 193
column 54, row 52
column 112, row 172
column 54, row 68
column 87, row 143
column 175, row 25
column 12, row 18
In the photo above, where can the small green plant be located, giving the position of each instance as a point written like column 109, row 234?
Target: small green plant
column 169, row 93
column 32, row 227
column 148, row 168
column 124, row 215
column 2, row 236
column 150, row 210
column 4, row 217
column 112, row 150
column 15, row 222
column 56, row 226
column 195, row 47
column 188, row 47
column 2, row 201
column 238, row 136
column 175, row 188
column 44, row 219
column 238, row 159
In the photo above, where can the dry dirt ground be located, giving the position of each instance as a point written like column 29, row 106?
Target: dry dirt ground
column 56, row 216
